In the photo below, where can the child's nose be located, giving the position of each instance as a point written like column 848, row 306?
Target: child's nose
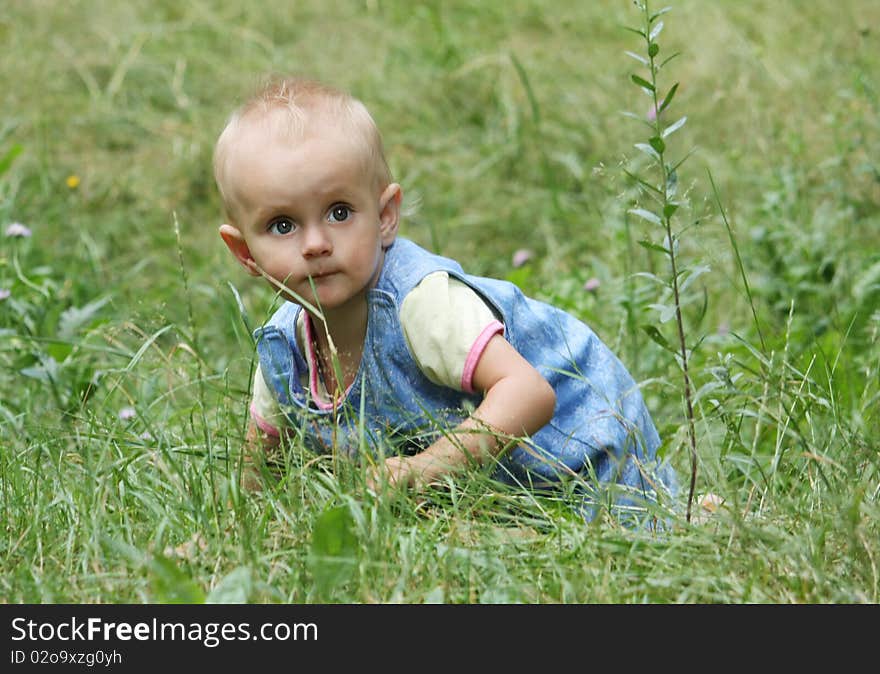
column 316, row 242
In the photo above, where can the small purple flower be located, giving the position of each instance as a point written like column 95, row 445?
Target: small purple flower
column 18, row 229
column 723, row 328
column 651, row 114
column 4, row 294
column 592, row 285
column 521, row 256
column 127, row 413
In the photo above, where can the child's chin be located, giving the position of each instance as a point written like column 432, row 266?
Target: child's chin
column 306, row 297
column 326, row 301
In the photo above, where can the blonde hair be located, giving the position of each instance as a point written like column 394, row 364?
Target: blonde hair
column 305, row 101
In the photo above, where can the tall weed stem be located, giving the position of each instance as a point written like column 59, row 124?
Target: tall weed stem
column 665, row 205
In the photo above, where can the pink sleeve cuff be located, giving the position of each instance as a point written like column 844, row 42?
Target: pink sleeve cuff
column 473, row 357
column 262, row 424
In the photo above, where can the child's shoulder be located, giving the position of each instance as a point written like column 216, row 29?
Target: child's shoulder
column 407, row 264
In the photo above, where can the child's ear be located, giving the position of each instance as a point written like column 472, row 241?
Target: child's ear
column 235, row 242
column 389, row 213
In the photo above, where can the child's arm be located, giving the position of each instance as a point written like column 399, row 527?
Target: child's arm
column 517, row 401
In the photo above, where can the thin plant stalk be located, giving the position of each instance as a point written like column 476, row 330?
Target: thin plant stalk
column 667, row 210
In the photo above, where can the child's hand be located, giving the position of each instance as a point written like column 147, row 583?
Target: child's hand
column 260, row 453
column 399, row 471
column 404, row 471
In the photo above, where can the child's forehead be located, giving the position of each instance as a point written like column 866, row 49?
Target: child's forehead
column 319, row 142
column 279, row 123
column 323, row 135
column 274, row 125
column 278, row 131
column 324, row 161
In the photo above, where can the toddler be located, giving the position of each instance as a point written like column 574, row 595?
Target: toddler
column 385, row 349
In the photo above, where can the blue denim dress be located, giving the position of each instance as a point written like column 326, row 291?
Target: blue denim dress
column 601, row 441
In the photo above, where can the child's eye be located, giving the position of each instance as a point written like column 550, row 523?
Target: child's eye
column 339, row 213
column 282, row 226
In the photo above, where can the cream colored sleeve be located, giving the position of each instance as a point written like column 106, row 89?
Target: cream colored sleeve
column 265, row 411
column 447, row 325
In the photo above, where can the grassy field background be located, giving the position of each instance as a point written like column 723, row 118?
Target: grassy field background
column 125, row 359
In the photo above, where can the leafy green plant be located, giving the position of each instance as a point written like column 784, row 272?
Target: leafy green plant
column 333, row 552
column 49, row 325
column 659, row 203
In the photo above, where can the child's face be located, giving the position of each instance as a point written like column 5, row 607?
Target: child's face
column 308, row 211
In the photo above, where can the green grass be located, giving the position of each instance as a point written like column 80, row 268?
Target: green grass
column 502, row 121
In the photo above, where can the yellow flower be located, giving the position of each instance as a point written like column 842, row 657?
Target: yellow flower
column 72, row 181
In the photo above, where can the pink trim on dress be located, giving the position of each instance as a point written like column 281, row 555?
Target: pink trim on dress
column 473, row 357
column 313, row 366
column 262, row 424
